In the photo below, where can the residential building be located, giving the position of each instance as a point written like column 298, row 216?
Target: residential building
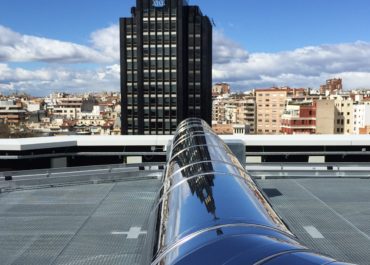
column 223, row 129
column 365, row 130
column 220, row 89
column 361, row 117
column 218, row 110
column 166, row 66
column 12, row 112
column 332, row 86
column 344, row 114
column 299, row 118
column 236, row 110
column 325, row 116
column 68, row 107
column 271, row 106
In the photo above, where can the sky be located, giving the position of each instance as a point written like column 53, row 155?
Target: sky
column 73, row 45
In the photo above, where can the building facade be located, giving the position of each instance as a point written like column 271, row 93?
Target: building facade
column 361, row 117
column 271, row 106
column 166, row 66
column 332, row 86
column 220, row 89
column 236, row 110
column 325, row 116
column 68, row 108
column 299, row 118
column 12, row 113
column 344, row 114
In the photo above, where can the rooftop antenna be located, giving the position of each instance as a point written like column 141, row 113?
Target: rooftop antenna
column 213, row 22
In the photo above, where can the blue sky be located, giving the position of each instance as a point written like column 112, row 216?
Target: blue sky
column 253, row 39
column 259, row 25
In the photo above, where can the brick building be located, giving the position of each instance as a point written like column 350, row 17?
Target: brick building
column 299, row 118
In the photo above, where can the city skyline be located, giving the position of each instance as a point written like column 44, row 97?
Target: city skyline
column 68, row 46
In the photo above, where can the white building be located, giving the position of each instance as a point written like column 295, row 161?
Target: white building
column 33, row 107
column 68, row 108
column 361, row 117
column 95, row 114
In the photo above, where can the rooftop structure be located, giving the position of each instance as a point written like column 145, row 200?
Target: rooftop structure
column 71, row 151
column 99, row 215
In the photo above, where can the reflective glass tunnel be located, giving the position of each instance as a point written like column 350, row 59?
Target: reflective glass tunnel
column 210, row 211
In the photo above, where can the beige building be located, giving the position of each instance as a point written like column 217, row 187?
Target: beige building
column 68, row 108
column 344, row 114
column 223, row 129
column 325, row 117
column 238, row 110
column 12, row 112
column 271, row 106
column 221, row 89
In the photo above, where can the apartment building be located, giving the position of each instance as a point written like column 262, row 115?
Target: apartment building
column 361, row 117
column 68, row 108
column 12, row 112
column 325, row 116
column 299, row 118
column 236, row 110
column 332, row 86
column 343, row 119
column 271, row 105
column 220, row 89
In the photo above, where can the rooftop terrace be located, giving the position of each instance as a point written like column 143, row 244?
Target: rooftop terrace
column 102, row 218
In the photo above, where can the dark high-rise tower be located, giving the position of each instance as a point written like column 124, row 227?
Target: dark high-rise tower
column 166, row 66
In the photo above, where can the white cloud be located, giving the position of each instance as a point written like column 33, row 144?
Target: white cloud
column 15, row 47
column 106, row 40
column 46, row 80
column 305, row 67
column 226, row 50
